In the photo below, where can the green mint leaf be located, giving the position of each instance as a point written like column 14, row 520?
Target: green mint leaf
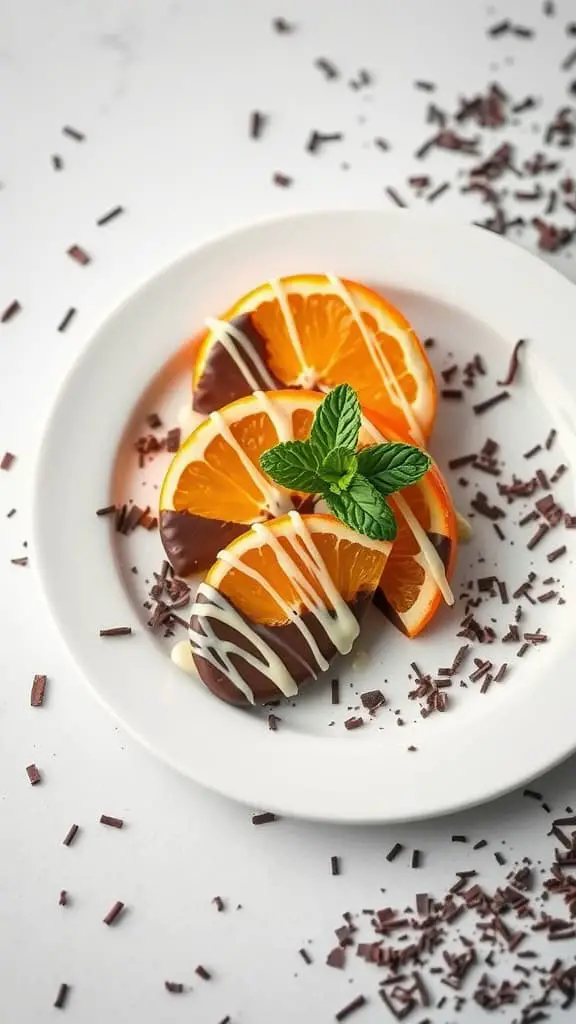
column 295, row 465
column 363, row 509
column 392, row 466
column 338, row 469
column 337, row 421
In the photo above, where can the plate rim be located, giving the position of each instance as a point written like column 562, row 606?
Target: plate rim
column 91, row 338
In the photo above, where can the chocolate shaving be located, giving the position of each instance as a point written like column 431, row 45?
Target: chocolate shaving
column 10, row 312
column 317, row 139
column 62, row 996
column 117, row 211
column 489, row 403
column 394, row 196
column 353, row 723
column 77, row 253
column 38, row 691
column 70, row 835
column 73, row 133
column 106, row 819
column 264, row 818
column 33, row 774
column 67, row 319
column 257, row 122
column 513, row 366
column 114, row 913
column 351, row 1008
column 393, row 853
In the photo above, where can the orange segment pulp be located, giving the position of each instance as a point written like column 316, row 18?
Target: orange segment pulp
column 336, row 331
column 354, row 564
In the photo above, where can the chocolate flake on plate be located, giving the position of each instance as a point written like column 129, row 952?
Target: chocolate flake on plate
column 335, row 865
column 257, row 123
column 489, row 403
column 10, row 312
column 70, row 835
column 114, row 913
column 335, row 691
column 63, row 898
column 62, row 996
column 393, row 853
column 351, row 1008
column 116, row 631
column 38, row 691
column 393, row 195
column 317, row 139
column 203, row 973
column 283, row 180
column 263, row 818
column 107, row 819
column 66, row 319
column 175, row 987
column 73, row 133
column 7, row 460
column 305, row 955
column 33, row 774
column 353, row 723
column 77, row 253
column 111, row 215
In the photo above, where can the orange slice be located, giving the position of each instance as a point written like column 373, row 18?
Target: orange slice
column 416, row 579
column 316, row 330
column 214, row 490
column 280, row 603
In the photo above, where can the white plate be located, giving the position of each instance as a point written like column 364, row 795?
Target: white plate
column 473, row 292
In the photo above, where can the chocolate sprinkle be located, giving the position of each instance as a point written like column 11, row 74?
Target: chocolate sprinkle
column 452, row 393
column 257, row 122
column 116, row 631
column 70, row 835
column 489, row 403
column 557, row 553
column 66, row 319
column 513, row 366
column 335, row 691
column 176, row 987
column 106, row 510
column 38, row 691
column 62, row 996
column 305, row 955
column 57, row 162
column 10, row 312
column 7, row 461
column 329, row 69
column 106, row 819
column 416, row 859
column 351, row 1008
column 203, row 973
column 393, row 195
column 77, row 253
column 63, row 898
column 33, row 774
column 73, row 133
column 263, row 818
column 396, row 849
column 283, row 180
column 218, row 903
column 317, row 139
column 353, row 723
column 114, row 913
column 111, row 215
column 283, row 27
column 335, row 865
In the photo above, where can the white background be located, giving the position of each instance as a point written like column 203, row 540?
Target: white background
column 163, row 92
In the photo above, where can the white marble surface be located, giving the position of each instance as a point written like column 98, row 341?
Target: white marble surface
column 163, row 92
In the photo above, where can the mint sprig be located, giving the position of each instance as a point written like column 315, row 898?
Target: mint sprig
column 354, row 484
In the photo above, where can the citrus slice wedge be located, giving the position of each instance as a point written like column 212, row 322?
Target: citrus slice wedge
column 318, row 330
column 280, row 603
column 214, row 490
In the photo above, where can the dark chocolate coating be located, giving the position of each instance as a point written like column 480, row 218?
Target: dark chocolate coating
column 288, row 643
column 221, row 381
column 182, row 532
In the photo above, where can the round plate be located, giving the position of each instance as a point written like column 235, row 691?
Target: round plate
column 474, row 293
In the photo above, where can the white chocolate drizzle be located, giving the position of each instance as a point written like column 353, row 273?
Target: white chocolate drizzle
column 273, row 500
column 379, row 359
column 315, row 593
column 279, row 418
column 307, row 376
column 238, row 346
